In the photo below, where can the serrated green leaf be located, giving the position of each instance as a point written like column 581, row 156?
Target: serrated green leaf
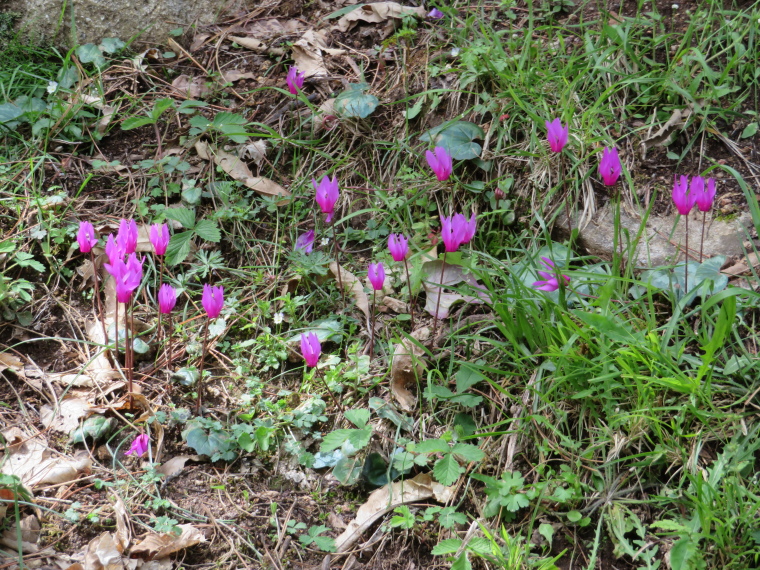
column 7, row 246
column 208, row 230
column 447, row 470
column 160, row 106
column 89, row 53
column 178, row 248
column 462, row 563
column 447, row 546
column 448, row 517
column 431, row 446
column 334, row 439
column 358, row 417
column 325, row 543
column 467, row 452
column 354, row 102
column 27, row 260
column 457, row 138
column 184, row 216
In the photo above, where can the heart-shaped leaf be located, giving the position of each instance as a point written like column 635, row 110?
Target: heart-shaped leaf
column 354, row 102
column 457, row 138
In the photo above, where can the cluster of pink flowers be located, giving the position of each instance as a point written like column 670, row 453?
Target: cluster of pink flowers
column 699, row 192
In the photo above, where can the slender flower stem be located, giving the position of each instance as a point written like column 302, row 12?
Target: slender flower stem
column 561, row 175
column 372, row 326
column 96, row 278
column 168, row 348
column 128, row 354
column 440, row 293
column 318, row 374
column 199, row 401
column 686, row 263
column 116, row 340
column 702, row 241
column 340, row 279
column 409, row 284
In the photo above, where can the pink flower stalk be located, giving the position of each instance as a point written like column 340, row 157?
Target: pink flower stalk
column 398, row 245
column 453, row 231
column 610, row 167
column 212, row 300
column 305, row 242
column 113, row 250
column 550, row 281
column 682, row 197
column 327, row 195
column 376, row 275
column 310, row 348
column 167, row 298
column 159, row 238
column 435, row 14
column 441, row 163
column 295, row 80
column 557, row 135
column 139, row 445
column 706, row 197
column 127, row 236
column 86, row 237
column 127, row 276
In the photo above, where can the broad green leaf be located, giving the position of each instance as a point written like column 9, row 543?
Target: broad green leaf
column 89, row 53
column 413, row 111
column 387, row 411
column 467, row 452
column 462, row 563
column 335, row 439
column 184, row 216
column 750, row 130
column 547, row 531
column 111, row 45
column 358, row 417
column 208, row 230
column 574, row 516
column 466, row 378
column 348, row 470
column 215, row 441
column 192, row 196
column 447, row 470
column 9, row 112
column 431, row 446
column 354, row 102
column 449, row 517
column 684, row 554
column 140, row 346
column 160, row 106
column 95, row 428
column 179, row 248
column 610, row 327
column 447, row 546
column 515, row 502
column 457, row 138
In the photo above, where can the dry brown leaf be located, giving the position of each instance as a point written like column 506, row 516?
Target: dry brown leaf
column 252, row 44
column 667, row 132
column 238, row 170
column 123, row 535
column 255, row 151
column 377, row 13
column 742, row 265
column 407, row 367
column 354, row 286
column 66, row 417
column 30, row 535
column 385, row 499
column 107, row 110
column 175, row 465
column 396, row 305
column 232, row 75
column 452, row 275
column 103, row 554
column 326, row 117
column 157, row 546
column 8, row 360
column 192, row 87
column 272, row 27
column 307, row 53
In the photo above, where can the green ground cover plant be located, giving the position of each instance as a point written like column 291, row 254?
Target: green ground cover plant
column 376, row 294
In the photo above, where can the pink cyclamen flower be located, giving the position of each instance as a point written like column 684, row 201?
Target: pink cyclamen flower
column 550, row 281
column 398, row 245
column 376, row 275
column 610, row 167
column 167, row 298
column 305, row 242
column 682, row 197
column 441, row 163
column 113, row 250
column 212, row 300
column 470, row 227
column 139, row 445
column 159, row 238
column 127, row 236
column 706, row 196
column 453, row 230
column 327, row 195
column 295, row 80
column 435, row 14
column 86, row 237
column 126, row 275
column 310, row 348
column 557, row 135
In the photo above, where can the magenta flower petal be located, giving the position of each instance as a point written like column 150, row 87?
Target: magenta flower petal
column 86, row 237
column 310, row 348
column 435, row 14
column 167, row 298
column 610, row 167
column 139, row 445
column 683, row 198
column 398, row 245
column 441, row 163
column 305, row 242
column 557, row 135
column 550, row 281
column 113, row 251
column 212, row 300
column 295, row 80
column 707, row 196
column 326, row 195
column 376, row 275
column 159, row 238
column 127, row 236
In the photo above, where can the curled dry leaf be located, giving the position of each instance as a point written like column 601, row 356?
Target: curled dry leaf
column 742, row 265
column 175, row 465
column 667, row 132
column 30, row 535
column 385, row 499
column 157, row 546
column 452, row 275
column 407, row 367
column 103, row 553
column 252, row 44
column 238, row 170
column 307, row 54
column 354, row 286
column 255, row 151
column 192, row 87
column 376, row 13
column 123, row 535
column 66, row 417
column 232, row 75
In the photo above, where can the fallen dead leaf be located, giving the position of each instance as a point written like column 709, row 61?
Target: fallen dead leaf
column 8, row 360
column 30, row 535
column 665, row 135
column 123, row 535
column 326, row 117
column 157, row 546
column 255, row 151
column 743, row 265
column 232, row 75
column 307, row 54
column 407, row 367
column 377, row 13
column 175, row 465
column 252, row 44
column 395, row 305
column 192, row 87
column 66, row 417
column 103, row 554
column 354, row 286
column 385, row 499
column 238, row 170
column 452, row 275
column 272, row 27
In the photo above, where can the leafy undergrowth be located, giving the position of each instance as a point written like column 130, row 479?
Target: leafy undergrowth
column 453, row 413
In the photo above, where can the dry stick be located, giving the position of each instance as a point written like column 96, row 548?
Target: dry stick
column 440, row 293
column 340, row 279
column 409, row 284
column 200, row 376
column 702, row 241
column 372, row 326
